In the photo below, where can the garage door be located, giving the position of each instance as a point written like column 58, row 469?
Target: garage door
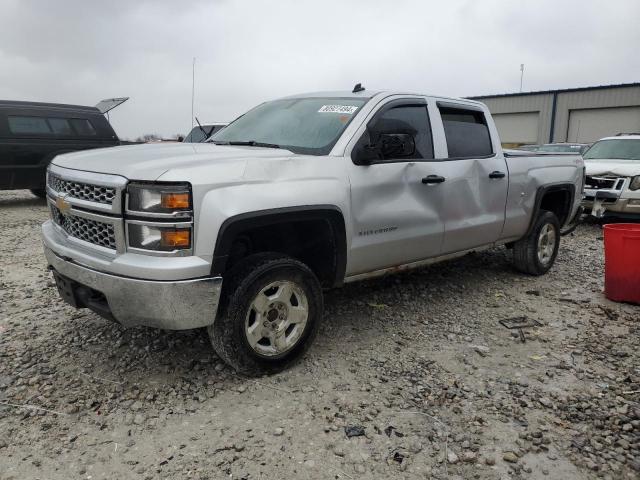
column 517, row 127
column 592, row 124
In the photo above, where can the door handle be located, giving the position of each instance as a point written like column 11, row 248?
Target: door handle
column 431, row 179
column 497, row 174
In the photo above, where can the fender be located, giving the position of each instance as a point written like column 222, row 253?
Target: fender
column 541, row 192
column 233, row 226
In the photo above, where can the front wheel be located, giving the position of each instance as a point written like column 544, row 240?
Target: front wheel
column 270, row 313
column 536, row 253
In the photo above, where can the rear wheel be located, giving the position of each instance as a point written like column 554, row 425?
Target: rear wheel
column 536, row 253
column 39, row 192
column 270, row 312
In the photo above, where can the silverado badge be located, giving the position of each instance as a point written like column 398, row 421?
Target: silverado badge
column 63, row 205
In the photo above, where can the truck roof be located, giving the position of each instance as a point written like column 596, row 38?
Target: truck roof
column 367, row 94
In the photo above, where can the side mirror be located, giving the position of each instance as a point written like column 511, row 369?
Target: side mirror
column 365, row 153
column 397, row 145
column 386, row 146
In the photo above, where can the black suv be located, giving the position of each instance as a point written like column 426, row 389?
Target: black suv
column 31, row 134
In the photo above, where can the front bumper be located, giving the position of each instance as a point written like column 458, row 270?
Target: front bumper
column 614, row 202
column 170, row 305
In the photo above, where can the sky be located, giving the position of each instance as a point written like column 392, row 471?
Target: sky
column 247, row 52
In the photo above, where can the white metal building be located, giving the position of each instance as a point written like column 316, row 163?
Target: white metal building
column 581, row 115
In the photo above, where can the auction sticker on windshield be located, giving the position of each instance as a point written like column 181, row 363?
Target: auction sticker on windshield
column 348, row 109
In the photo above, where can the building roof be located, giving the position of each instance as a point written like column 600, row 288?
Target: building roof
column 565, row 90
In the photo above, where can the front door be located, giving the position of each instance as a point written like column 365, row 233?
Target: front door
column 396, row 198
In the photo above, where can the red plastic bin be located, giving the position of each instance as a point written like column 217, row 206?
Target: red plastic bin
column 622, row 262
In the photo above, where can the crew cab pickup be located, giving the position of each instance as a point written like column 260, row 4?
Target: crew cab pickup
column 241, row 234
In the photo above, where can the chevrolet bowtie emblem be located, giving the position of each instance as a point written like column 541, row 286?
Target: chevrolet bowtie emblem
column 63, row 205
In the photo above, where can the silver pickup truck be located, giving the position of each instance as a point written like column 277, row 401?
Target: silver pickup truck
column 241, row 234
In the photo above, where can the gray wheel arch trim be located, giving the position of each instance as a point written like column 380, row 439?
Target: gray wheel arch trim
column 541, row 192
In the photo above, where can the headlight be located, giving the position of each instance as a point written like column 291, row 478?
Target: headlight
column 159, row 218
column 635, row 183
column 172, row 199
column 158, row 237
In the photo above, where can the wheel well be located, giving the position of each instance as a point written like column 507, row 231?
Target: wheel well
column 316, row 238
column 558, row 201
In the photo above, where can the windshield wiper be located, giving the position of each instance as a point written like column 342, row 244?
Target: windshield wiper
column 250, row 143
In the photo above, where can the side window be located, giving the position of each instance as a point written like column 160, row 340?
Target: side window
column 28, row 125
column 60, row 126
column 403, row 132
column 83, row 127
column 466, row 132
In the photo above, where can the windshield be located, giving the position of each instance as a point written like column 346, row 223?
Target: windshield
column 614, row 149
column 196, row 135
column 301, row 125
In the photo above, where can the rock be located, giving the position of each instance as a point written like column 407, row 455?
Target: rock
column 338, row 451
column 278, row 432
column 482, row 350
column 469, row 457
column 545, row 402
column 452, row 458
column 489, row 460
column 510, row 457
column 354, row 431
column 139, row 419
column 359, row 468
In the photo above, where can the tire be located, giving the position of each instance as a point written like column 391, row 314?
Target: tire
column 536, row 253
column 252, row 332
column 39, row 192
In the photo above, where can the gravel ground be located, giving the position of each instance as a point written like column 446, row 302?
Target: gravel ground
column 411, row 376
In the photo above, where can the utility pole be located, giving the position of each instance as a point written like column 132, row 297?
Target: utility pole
column 193, row 88
column 521, row 75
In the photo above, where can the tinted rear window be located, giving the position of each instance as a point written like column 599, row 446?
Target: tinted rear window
column 28, row 125
column 83, row 127
column 466, row 132
column 60, row 126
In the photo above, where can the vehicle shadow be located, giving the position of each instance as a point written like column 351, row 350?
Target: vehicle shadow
column 20, row 198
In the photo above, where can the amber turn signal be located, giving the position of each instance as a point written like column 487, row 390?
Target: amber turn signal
column 176, row 238
column 175, row 201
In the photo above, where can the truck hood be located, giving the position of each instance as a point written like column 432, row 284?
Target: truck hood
column 151, row 161
column 619, row 168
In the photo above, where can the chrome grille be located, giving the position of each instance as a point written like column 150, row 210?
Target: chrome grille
column 598, row 183
column 90, row 231
column 82, row 191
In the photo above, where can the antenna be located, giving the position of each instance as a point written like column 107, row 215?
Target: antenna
column 193, row 88
column 521, row 75
column 358, row 88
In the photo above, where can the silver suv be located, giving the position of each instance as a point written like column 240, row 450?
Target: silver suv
column 241, row 234
column 613, row 177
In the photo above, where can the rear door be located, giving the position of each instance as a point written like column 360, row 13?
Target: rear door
column 396, row 217
column 476, row 175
